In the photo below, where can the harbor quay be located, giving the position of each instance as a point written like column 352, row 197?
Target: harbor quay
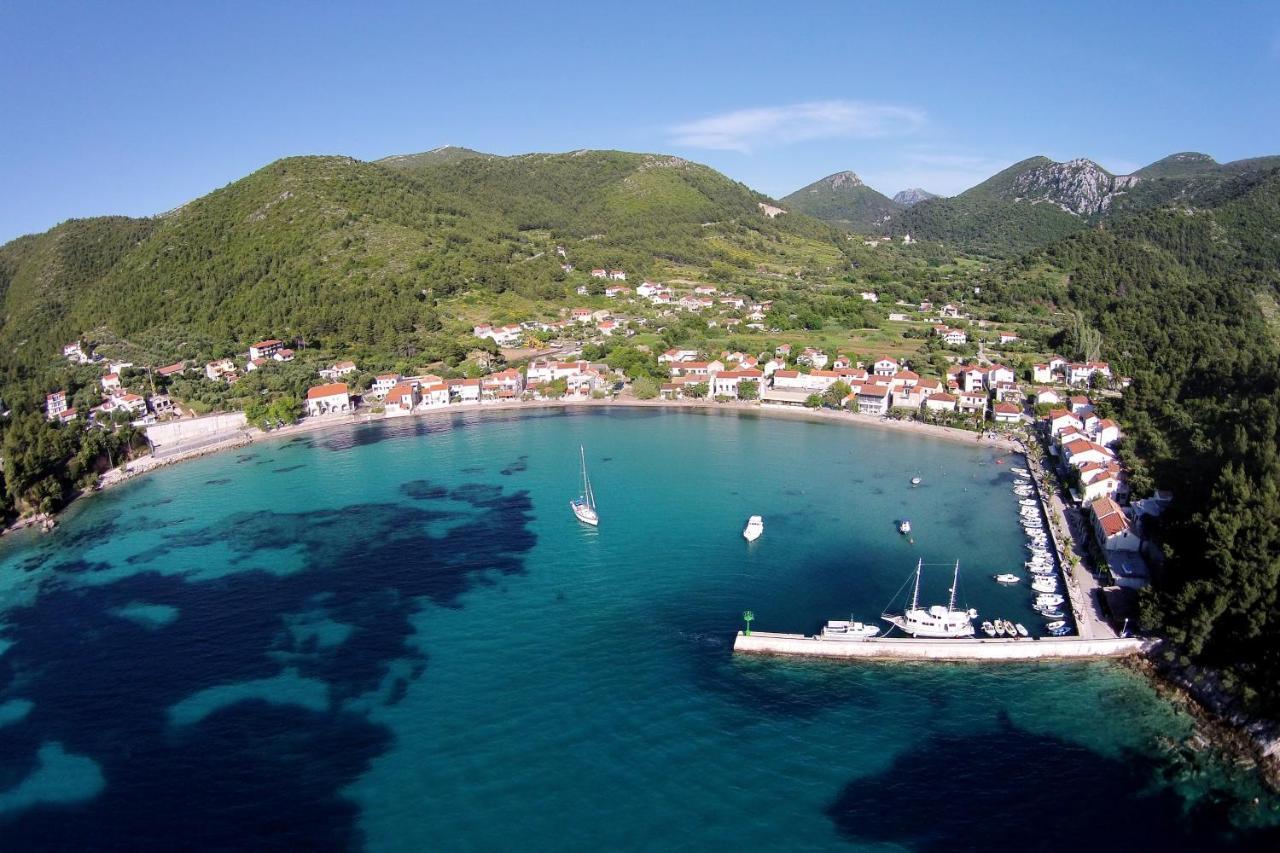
column 998, row 649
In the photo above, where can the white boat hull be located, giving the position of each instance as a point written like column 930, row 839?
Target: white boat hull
column 585, row 514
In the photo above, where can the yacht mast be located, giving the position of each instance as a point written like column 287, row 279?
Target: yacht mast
column 915, row 596
column 955, row 581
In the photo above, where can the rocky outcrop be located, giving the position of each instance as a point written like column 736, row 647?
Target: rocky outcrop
column 840, row 180
column 1080, row 186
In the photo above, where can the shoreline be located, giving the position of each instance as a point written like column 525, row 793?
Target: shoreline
column 253, row 435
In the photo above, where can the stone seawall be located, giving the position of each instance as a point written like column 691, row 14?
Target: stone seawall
column 1046, row 648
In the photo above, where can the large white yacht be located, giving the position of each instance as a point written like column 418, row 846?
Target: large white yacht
column 937, row 621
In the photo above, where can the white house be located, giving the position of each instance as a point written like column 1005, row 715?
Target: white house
column 871, row 399
column 265, row 349
column 678, row 355
column 599, row 273
column 617, row 275
column 726, row 383
column 55, row 404
column 648, row 288
column 338, row 369
column 1008, row 337
column 940, row 402
column 972, row 401
column 384, row 382
column 328, row 399
column 1060, row 419
column 885, row 366
column 402, row 399
column 222, row 369
column 613, row 291
column 1006, row 413
column 1041, row 373
column 1112, row 526
column 1080, row 451
column 999, row 373
column 111, row 382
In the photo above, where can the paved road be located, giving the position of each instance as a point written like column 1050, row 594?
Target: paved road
column 1083, row 588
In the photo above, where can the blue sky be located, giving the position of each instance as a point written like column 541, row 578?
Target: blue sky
column 135, row 108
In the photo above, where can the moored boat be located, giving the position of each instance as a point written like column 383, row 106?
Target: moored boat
column 1021, row 629
column 937, row 621
column 988, row 628
column 585, row 506
column 1007, row 578
column 755, row 527
column 848, row 630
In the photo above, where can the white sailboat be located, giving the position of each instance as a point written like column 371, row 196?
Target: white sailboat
column 585, row 506
column 935, row 621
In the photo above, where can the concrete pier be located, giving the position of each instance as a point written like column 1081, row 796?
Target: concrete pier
column 1022, row 648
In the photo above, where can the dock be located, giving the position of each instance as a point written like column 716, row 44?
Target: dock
column 1002, row 649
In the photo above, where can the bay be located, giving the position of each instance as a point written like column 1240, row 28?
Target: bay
column 397, row 637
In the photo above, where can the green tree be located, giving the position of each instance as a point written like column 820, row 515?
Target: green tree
column 644, row 388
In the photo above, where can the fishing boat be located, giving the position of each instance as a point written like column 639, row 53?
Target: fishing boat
column 1060, row 632
column 845, row 630
column 1053, row 626
column 585, row 506
column 1026, row 502
column 937, row 620
column 1009, row 629
column 988, row 628
column 1021, row 472
column 755, row 526
column 1051, row 613
column 1021, row 629
column 1007, row 578
column 904, row 526
column 1045, row 584
column 1049, row 598
column 998, row 627
column 915, row 481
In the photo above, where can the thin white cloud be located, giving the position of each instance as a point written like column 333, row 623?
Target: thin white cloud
column 745, row 130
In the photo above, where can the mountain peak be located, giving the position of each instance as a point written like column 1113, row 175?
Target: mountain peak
column 911, row 196
column 1078, row 186
column 841, row 180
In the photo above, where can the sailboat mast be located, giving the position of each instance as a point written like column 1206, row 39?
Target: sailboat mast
column 915, row 595
column 955, row 581
column 586, row 483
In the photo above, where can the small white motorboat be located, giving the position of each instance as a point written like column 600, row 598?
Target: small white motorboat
column 1021, row 472
column 1021, row 629
column 755, row 527
column 1045, row 584
column 1007, row 578
column 843, row 630
column 915, row 481
column 998, row 627
column 1049, row 599
column 988, row 629
column 1053, row 626
column 1009, row 629
column 904, row 526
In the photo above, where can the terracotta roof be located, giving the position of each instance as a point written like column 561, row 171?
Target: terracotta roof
column 1007, row 409
column 326, row 390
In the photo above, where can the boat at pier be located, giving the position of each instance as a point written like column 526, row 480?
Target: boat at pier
column 755, row 527
column 937, row 621
column 843, row 630
column 1007, row 578
column 585, row 506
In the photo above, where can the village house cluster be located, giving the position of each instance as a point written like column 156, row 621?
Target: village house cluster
column 141, row 410
column 1084, row 445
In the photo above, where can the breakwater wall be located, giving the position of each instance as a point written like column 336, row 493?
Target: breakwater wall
column 1022, row 648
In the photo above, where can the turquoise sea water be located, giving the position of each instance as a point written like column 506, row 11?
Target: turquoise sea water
column 397, row 637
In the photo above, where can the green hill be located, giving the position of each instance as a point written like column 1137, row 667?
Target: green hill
column 844, row 200
column 334, row 250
